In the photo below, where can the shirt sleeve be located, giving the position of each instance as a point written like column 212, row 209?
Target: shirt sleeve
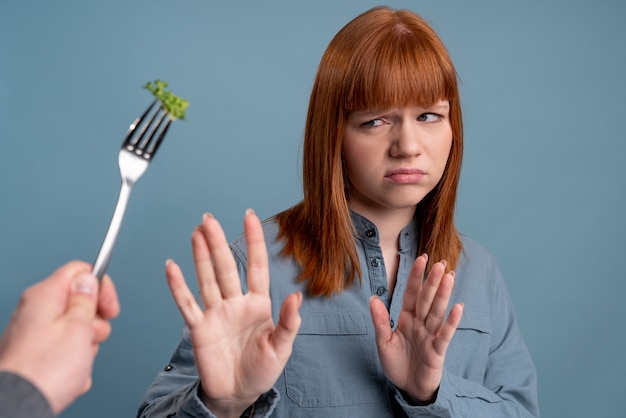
column 509, row 386
column 174, row 392
column 21, row 399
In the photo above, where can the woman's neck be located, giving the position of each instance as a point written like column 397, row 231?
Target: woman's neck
column 389, row 224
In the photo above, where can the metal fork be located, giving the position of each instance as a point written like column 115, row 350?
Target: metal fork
column 144, row 136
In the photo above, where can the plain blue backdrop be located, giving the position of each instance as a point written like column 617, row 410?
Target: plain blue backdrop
column 543, row 93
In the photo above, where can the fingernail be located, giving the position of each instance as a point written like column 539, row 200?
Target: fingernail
column 168, row 262
column 85, row 283
column 207, row 215
column 249, row 211
column 444, row 262
column 425, row 257
column 452, row 273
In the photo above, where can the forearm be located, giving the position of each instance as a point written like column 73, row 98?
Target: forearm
column 180, row 402
column 186, row 402
column 176, row 390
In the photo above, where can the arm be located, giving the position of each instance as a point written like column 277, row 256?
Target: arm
column 53, row 336
column 176, row 388
column 500, row 382
column 238, row 351
column 413, row 355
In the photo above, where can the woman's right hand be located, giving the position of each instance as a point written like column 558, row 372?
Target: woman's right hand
column 238, row 350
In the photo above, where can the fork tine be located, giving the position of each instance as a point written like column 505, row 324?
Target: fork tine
column 137, row 121
column 159, row 127
column 144, row 129
column 150, row 152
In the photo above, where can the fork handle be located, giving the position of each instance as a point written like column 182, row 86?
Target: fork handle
column 106, row 249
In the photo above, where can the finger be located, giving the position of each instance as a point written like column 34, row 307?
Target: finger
column 108, row 302
column 224, row 265
column 448, row 329
column 52, row 293
column 440, row 303
column 82, row 302
column 258, row 268
column 380, row 318
column 182, row 295
column 95, row 348
column 101, row 329
column 209, row 290
column 429, row 290
column 68, row 271
column 414, row 284
column 87, row 386
column 288, row 325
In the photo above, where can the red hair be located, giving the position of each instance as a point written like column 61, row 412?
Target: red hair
column 381, row 59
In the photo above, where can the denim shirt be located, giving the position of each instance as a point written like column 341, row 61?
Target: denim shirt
column 334, row 370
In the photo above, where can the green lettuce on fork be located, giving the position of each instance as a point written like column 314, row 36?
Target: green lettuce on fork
column 173, row 104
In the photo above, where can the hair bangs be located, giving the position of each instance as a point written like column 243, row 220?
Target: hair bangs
column 399, row 71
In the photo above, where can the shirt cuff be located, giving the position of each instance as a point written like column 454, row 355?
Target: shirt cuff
column 262, row 407
column 439, row 408
column 20, row 398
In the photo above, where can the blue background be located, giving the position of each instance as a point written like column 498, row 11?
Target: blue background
column 543, row 93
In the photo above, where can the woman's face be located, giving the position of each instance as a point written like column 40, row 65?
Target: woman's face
column 395, row 157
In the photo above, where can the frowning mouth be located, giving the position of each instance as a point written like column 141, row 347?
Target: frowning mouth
column 405, row 175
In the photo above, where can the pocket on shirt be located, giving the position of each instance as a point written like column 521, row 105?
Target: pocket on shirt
column 334, row 361
column 468, row 353
column 476, row 321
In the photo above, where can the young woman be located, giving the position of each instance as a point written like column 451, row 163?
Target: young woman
column 386, row 310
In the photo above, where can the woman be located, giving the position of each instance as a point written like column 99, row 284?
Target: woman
column 368, row 326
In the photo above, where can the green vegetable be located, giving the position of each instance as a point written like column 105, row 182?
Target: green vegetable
column 174, row 105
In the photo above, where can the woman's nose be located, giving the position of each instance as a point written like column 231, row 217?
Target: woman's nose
column 406, row 141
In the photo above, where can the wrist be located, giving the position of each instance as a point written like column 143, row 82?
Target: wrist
column 420, row 400
column 226, row 408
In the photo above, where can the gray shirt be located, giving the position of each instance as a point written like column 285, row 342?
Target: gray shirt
column 334, row 369
column 20, row 399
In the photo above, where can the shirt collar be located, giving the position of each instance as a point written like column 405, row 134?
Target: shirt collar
column 367, row 231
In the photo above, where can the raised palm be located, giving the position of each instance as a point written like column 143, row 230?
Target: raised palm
column 239, row 351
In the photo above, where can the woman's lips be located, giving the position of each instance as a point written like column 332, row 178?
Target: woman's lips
column 405, row 175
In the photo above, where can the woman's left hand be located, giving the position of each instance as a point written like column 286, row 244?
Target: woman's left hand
column 413, row 355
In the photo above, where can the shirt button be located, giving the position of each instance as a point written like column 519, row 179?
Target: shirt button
column 370, row 233
column 168, row 368
column 391, row 323
column 381, row 291
column 375, row 262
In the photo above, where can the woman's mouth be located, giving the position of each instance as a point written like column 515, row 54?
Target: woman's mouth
column 405, row 175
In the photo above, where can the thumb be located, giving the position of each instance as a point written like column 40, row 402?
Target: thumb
column 288, row 325
column 380, row 319
column 83, row 298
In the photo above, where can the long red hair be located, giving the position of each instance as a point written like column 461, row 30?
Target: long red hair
column 381, row 59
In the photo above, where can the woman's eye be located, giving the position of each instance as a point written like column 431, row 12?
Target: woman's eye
column 372, row 123
column 429, row 117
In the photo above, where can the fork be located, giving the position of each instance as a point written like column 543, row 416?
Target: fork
column 142, row 140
